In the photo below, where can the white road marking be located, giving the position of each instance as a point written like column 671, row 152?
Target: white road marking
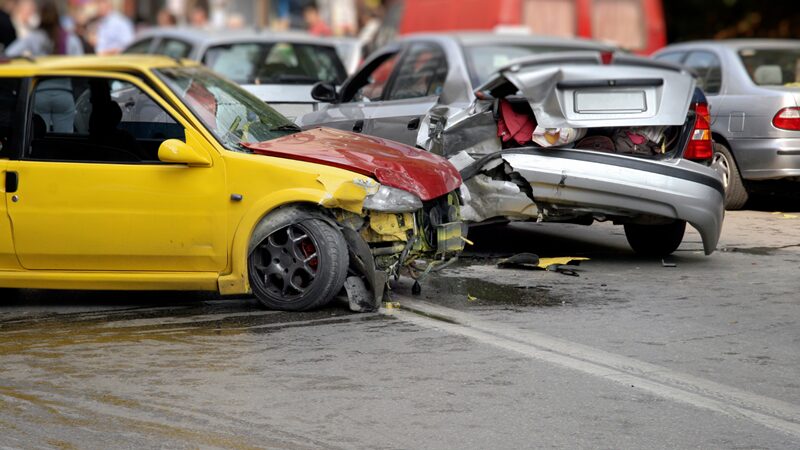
column 657, row 380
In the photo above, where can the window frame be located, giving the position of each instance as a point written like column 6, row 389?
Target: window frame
column 405, row 57
column 347, row 92
column 150, row 40
column 704, row 76
column 154, row 47
column 23, row 153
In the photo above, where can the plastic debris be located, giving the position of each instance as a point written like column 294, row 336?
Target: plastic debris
column 528, row 261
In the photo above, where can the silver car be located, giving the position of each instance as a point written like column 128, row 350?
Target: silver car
column 753, row 89
column 570, row 106
column 279, row 68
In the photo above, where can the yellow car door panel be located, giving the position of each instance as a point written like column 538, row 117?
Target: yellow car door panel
column 92, row 195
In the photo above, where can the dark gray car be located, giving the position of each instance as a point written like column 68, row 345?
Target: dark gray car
column 753, row 90
column 571, row 106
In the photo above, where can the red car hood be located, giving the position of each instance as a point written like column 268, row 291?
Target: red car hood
column 393, row 164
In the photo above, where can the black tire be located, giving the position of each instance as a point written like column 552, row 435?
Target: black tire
column 655, row 240
column 736, row 194
column 296, row 261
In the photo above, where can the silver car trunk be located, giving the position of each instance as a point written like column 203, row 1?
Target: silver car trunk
column 578, row 90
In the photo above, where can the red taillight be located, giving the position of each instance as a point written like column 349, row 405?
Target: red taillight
column 700, row 147
column 787, row 119
column 606, row 57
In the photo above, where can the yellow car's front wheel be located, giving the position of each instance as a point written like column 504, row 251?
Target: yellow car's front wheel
column 296, row 262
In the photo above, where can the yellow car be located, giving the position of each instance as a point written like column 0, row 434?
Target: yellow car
column 147, row 173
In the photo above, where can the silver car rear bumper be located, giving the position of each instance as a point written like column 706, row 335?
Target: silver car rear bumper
column 622, row 186
column 764, row 159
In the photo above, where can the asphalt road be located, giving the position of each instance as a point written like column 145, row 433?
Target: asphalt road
column 630, row 354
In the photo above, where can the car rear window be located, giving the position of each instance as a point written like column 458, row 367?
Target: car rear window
column 772, row 66
column 276, row 63
column 484, row 60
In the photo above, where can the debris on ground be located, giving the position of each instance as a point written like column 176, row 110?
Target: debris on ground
column 528, row 261
column 665, row 263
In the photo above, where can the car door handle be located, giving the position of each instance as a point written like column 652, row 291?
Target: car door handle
column 413, row 124
column 358, row 126
column 12, row 181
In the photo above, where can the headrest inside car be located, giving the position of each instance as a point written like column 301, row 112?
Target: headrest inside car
column 768, row 75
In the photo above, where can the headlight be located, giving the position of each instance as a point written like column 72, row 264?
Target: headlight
column 389, row 199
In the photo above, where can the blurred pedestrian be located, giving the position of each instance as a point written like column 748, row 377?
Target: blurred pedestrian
column 165, row 18
column 114, row 30
column 54, row 102
column 50, row 38
column 7, row 32
column 25, row 17
column 198, row 15
column 316, row 25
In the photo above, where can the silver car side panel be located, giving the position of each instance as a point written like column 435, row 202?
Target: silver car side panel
column 625, row 186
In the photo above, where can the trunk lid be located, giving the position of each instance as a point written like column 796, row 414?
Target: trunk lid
column 580, row 90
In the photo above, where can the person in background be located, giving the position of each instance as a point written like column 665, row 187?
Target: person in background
column 114, row 30
column 50, row 38
column 198, row 15
column 7, row 32
column 54, row 103
column 165, row 18
column 25, row 17
column 316, row 25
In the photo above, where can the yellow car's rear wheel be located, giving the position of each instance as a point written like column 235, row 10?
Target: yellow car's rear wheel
column 299, row 265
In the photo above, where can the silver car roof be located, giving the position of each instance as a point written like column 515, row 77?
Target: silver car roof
column 206, row 38
column 468, row 38
column 737, row 44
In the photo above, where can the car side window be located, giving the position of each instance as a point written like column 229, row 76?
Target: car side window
column 421, row 73
column 673, row 57
column 372, row 84
column 97, row 120
column 173, row 48
column 9, row 91
column 708, row 69
column 140, row 47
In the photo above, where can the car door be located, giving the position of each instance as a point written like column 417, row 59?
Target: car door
column 9, row 145
column 92, row 194
column 358, row 92
column 414, row 89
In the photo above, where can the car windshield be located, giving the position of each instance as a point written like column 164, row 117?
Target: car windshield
column 484, row 60
column 772, row 66
column 231, row 113
column 276, row 63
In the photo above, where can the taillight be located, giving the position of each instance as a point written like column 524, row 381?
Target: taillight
column 700, row 147
column 787, row 119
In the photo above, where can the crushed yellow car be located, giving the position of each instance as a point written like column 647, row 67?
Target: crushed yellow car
column 146, row 173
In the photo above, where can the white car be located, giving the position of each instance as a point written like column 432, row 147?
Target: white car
column 279, row 68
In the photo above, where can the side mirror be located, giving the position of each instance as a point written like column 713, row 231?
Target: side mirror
column 324, row 92
column 177, row 151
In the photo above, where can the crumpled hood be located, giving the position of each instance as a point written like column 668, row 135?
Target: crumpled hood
column 393, row 164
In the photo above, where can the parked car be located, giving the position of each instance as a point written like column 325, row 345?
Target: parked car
column 753, row 89
column 162, row 175
column 491, row 103
column 278, row 68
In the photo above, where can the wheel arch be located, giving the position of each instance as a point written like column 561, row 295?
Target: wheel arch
column 236, row 282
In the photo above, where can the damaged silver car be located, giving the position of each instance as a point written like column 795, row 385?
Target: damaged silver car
column 546, row 130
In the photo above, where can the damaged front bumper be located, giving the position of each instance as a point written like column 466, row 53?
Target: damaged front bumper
column 577, row 185
column 384, row 244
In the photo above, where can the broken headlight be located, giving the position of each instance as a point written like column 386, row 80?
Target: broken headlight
column 389, row 199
